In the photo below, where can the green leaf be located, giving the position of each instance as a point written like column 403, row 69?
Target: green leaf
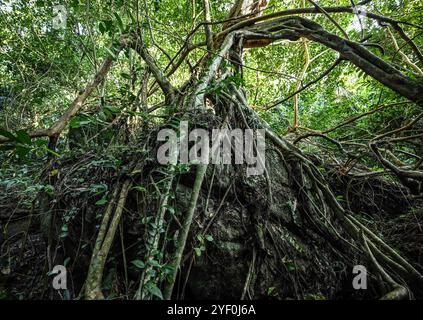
column 154, row 290
column 112, row 109
column 105, row 26
column 119, row 22
column 152, row 273
column 74, row 123
column 139, row 188
column 197, row 252
column 125, row 75
column 154, row 263
column 157, row 5
column 64, row 231
column 79, row 121
column 40, row 3
column 49, row 189
column 7, row 134
column 98, row 188
column 52, row 152
column 101, row 202
column 101, row 27
column 3, row 295
column 170, row 209
column 66, row 262
column 317, row 296
column 138, row 263
column 291, row 265
column 41, row 142
column 23, row 137
column 111, row 53
column 270, row 290
column 209, row 237
column 22, row 152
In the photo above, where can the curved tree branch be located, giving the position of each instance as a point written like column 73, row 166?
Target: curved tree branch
column 164, row 83
column 293, row 28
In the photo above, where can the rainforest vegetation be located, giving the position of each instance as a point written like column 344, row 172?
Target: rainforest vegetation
column 86, row 87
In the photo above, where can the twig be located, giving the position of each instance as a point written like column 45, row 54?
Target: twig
column 324, row 74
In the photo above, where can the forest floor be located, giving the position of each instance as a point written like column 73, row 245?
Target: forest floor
column 379, row 203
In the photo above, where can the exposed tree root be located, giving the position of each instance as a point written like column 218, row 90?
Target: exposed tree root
column 104, row 241
column 186, row 225
column 301, row 239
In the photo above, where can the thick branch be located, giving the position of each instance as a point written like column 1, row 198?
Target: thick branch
column 198, row 96
column 292, row 27
column 314, row 10
column 162, row 80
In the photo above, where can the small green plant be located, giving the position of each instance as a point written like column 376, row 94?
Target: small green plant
column 201, row 243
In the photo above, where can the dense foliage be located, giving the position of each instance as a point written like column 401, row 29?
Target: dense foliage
column 363, row 136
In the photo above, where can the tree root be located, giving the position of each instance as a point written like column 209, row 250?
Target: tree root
column 103, row 243
column 154, row 240
column 307, row 171
column 186, row 225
